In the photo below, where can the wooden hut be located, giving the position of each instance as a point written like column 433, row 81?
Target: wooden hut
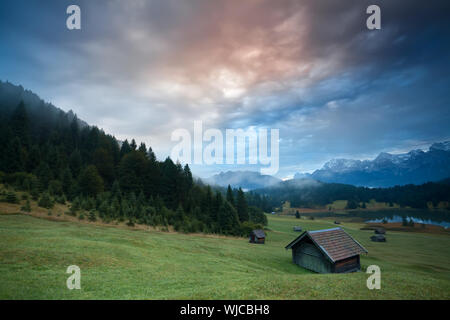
column 257, row 236
column 327, row 251
column 378, row 238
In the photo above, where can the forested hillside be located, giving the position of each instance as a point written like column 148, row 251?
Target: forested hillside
column 58, row 158
column 311, row 193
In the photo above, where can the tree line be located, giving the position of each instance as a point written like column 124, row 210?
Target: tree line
column 311, row 194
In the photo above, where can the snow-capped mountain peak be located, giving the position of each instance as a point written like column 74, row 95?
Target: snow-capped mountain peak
column 341, row 164
column 443, row 146
column 414, row 167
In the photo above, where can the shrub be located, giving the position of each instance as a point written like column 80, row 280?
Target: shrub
column 49, row 213
column 106, row 219
column 11, row 197
column 55, row 187
column 256, row 215
column 34, row 194
column 177, row 226
column 103, row 209
column 45, row 201
column 130, row 222
column 247, row 227
column 351, row 204
column 26, row 207
column 75, row 207
column 61, row 199
column 92, row 216
column 81, row 216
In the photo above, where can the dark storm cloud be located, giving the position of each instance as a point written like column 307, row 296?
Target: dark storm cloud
column 310, row 68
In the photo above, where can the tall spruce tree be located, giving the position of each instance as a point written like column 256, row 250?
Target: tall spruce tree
column 241, row 206
column 90, row 182
column 125, row 148
column 230, row 197
column 228, row 219
column 19, row 123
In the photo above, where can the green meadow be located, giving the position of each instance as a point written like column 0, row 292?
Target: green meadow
column 127, row 263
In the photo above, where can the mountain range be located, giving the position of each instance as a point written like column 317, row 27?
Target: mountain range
column 386, row 170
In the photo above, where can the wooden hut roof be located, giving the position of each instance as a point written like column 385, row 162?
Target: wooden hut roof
column 335, row 243
column 259, row 233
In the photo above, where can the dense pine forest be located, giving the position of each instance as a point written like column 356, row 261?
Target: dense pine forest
column 58, row 158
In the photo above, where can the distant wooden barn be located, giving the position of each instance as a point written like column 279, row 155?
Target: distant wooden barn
column 378, row 238
column 327, row 251
column 257, row 236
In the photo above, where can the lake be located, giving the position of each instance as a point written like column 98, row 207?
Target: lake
column 433, row 217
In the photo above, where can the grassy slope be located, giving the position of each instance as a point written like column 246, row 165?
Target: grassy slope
column 123, row 264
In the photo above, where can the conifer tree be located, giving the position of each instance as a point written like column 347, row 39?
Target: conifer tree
column 188, row 176
column 67, row 181
column 115, row 190
column 27, row 206
column 11, row 197
column 241, row 206
column 230, row 197
column 133, row 145
column 19, row 123
column 125, row 149
column 45, row 201
column 92, row 216
column 142, row 148
column 228, row 219
column 75, row 163
column 90, row 182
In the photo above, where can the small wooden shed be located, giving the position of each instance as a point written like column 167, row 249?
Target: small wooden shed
column 327, row 251
column 257, row 236
column 378, row 238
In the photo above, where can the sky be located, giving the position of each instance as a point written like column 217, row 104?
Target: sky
column 311, row 69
